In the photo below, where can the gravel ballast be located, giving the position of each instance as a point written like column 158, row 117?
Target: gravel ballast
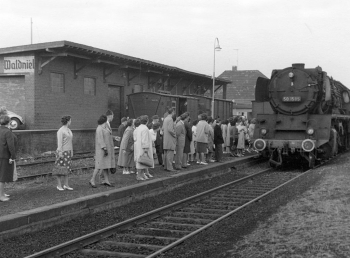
column 33, row 242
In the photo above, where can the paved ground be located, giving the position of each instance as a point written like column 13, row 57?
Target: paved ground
column 25, row 195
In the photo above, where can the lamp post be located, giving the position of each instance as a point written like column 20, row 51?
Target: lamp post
column 216, row 48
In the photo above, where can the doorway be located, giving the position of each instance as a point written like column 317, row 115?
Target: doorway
column 115, row 100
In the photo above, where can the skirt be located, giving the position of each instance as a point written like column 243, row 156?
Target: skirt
column 62, row 165
column 202, row 147
column 6, row 171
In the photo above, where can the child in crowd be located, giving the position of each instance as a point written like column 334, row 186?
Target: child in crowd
column 193, row 154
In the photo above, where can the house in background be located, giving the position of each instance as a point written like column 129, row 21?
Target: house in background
column 241, row 90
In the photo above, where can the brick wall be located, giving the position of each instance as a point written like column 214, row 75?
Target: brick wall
column 36, row 142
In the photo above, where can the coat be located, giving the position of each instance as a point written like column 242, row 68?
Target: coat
column 188, row 138
column 121, row 130
column 126, row 151
column 224, row 133
column 242, row 130
column 169, row 135
column 227, row 135
column 202, row 131
column 180, row 134
column 218, row 139
column 211, row 138
column 104, row 139
column 142, row 140
column 8, row 142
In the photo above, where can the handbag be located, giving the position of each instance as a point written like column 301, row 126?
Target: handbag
column 145, row 160
column 113, row 170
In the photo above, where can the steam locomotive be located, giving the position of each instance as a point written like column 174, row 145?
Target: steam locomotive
column 307, row 119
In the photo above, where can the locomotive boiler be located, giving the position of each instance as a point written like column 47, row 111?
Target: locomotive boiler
column 309, row 118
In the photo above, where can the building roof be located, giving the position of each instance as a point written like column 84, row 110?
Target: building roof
column 242, row 86
column 68, row 48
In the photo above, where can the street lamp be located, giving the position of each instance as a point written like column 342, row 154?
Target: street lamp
column 216, row 48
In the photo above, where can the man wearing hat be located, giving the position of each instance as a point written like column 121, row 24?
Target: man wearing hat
column 180, row 141
column 169, row 140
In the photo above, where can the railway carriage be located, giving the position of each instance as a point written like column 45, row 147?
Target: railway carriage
column 308, row 119
column 152, row 103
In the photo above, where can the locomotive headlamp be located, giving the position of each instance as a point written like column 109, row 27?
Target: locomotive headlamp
column 291, row 75
column 259, row 144
column 310, row 131
column 308, row 145
column 263, row 131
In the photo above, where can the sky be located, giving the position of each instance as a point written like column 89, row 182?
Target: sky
column 269, row 34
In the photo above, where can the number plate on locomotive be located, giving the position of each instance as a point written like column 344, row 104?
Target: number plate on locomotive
column 292, row 99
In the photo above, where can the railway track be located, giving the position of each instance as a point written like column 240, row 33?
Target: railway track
column 30, row 177
column 160, row 230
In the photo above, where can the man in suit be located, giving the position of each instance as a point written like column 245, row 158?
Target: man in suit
column 218, row 140
column 169, row 140
column 180, row 141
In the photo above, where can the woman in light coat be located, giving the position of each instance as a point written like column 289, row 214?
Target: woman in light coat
column 242, row 130
column 224, row 134
column 104, row 152
column 142, row 146
column 227, row 137
column 126, row 151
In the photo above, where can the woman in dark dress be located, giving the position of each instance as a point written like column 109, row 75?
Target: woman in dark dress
column 188, row 139
column 7, row 155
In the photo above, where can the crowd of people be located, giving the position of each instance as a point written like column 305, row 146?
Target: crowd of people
column 173, row 142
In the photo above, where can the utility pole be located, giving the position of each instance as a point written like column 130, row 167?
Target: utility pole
column 237, row 57
column 31, row 30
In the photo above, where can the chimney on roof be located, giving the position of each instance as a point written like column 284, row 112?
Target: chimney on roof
column 234, row 68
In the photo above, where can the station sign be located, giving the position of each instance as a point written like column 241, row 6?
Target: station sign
column 19, row 64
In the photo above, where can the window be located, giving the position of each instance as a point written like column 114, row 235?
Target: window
column 57, row 82
column 89, row 86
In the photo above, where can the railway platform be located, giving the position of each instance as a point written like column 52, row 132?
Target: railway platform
column 37, row 204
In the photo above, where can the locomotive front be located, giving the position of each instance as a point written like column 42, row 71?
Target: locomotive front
column 310, row 114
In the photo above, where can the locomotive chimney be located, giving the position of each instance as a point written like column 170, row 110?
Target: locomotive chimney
column 299, row 66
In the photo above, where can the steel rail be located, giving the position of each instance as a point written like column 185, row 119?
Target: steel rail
column 179, row 241
column 93, row 237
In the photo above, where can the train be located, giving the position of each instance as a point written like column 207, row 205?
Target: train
column 155, row 103
column 303, row 116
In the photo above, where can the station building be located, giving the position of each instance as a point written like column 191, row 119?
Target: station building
column 42, row 82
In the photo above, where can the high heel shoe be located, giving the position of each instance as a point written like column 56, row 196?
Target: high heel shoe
column 67, row 188
column 92, row 185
